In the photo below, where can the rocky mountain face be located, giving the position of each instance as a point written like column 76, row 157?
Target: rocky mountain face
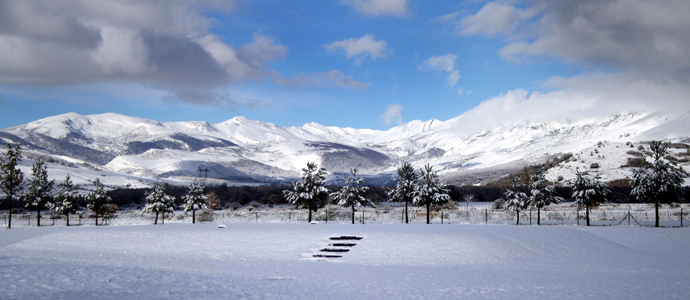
column 242, row 150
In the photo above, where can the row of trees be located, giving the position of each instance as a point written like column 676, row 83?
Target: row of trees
column 423, row 189
column 37, row 192
column 658, row 182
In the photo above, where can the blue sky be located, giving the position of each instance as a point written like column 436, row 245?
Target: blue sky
column 348, row 63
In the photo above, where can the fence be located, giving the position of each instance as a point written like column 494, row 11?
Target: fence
column 638, row 215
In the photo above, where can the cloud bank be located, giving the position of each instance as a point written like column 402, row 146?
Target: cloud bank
column 643, row 36
column 581, row 97
column 644, row 45
column 166, row 45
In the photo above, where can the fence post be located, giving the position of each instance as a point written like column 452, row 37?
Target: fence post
column 530, row 216
column 486, row 216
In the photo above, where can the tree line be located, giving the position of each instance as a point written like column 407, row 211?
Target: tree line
column 658, row 182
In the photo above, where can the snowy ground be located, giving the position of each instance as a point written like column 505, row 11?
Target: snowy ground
column 392, row 261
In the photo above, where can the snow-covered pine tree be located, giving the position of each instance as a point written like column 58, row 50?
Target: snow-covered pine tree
column 516, row 201
column 195, row 199
column 406, row 183
column 542, row 194
column 659, row 182
column 97, row 199
column 430, row 191
column 157, row 201
column 65, row 202
column 589, row 192
column 38, row 190
column 353, row 193
column 309, row 192
column 11, row 177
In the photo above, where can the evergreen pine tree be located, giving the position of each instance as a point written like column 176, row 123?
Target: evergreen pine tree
column 157, row 201
column 430, row 191
column 195, row 199
column 353, row 193
column 309, row 192
column 659, row 182
column 97, row 200
column 542, row 194
column 516, row 201
column 406, row 183
column 11, row 177
column 38, row 190
column 589, row 193
column 65, row 202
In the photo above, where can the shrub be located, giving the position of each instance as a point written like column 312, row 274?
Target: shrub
column 205, row 216
column 499, row 203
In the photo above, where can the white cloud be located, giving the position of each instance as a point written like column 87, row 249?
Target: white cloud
column 453, row 78
column 642, row 36
column 360, row 48
column 165, row 44
column 577, row 98
column 444, row 64
column 374, row 8
column 493, row 18
column 392, row 114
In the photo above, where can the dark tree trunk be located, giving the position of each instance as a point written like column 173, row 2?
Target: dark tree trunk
column 656, row 211
column 518, row 218
column 38, row 218
column 538, row 216
column 193, row 216
column 9, row 221
column 587, row 214
column 406, row 219
column 96, row 219
column 156, row 221
column 309, row 214
column 427, row 213
column 67, row 218
column 353, row 214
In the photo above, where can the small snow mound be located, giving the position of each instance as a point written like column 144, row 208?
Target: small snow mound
column 222, row 226
column 313, row 222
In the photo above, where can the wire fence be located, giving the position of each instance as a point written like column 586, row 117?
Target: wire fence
column 623, row 215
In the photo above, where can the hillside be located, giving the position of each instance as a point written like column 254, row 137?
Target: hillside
column 128, row 150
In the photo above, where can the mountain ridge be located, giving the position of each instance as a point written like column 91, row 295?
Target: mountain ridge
column 245, row 150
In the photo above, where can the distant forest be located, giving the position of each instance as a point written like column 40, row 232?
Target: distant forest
column 234, row 197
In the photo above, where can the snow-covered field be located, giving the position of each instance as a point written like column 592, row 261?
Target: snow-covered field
column 392, row 261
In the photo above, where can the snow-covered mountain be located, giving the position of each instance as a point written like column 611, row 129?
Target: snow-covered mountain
column 242, row 150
